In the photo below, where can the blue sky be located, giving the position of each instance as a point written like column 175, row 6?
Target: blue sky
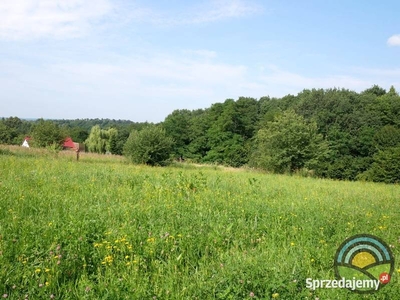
column 140, row 60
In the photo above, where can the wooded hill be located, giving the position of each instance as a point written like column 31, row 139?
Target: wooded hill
column 334, row 133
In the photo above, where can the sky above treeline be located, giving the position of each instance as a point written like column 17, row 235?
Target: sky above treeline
column 140, row 60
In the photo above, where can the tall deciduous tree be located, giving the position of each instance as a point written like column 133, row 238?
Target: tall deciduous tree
column 199, row 125
column 287, row 144
column 102, row 141
column 112, row 139
column 177, row 125
column 45, row 133
column 96, row 142
column 13, row 130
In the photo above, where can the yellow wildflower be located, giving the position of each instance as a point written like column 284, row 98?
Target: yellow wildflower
column 107, row 260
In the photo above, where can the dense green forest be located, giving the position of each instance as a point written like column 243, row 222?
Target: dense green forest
column 333, row 133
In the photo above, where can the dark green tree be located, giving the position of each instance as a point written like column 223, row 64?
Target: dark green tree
column 46, row 133
column 177, row 126
column 112, row 138
column 78, row 134
column 268, row 110
column 4, row 135
column 13, row 130
column 200, row 122
column 232, row 125
column 387, row 137
column 121, row 139
column 385, row 167
column 375, row 90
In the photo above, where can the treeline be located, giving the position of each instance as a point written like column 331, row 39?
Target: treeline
column 333, row 133
column 46, row 133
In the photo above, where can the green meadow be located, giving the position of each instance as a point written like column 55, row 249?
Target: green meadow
column 101, row 228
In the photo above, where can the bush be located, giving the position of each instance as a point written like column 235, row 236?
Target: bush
column 385, row 168
column 150, row 146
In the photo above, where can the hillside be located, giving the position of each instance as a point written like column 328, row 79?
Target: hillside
column 102, row 228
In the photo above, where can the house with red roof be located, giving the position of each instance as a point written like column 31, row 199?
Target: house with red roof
column 70, row 144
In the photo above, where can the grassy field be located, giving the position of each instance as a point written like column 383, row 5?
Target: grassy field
column 101, row 228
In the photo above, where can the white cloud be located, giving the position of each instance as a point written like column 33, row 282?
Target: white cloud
column 30, row 19
column 395, row 73
column 394, row 40
column 225, row 9
column 207, row 12
column 298, row 81
column 27, row 19
column 136, row 87
column 149, row 76
column 152, row 86
column 280, row 82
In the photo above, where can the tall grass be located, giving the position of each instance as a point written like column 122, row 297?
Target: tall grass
column 100, row 228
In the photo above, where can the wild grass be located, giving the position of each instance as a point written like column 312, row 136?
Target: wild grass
column 101, row 228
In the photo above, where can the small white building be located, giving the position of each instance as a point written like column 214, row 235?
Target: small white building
column 25, row 143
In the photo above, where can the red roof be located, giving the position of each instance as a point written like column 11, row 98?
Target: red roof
column 68, row 143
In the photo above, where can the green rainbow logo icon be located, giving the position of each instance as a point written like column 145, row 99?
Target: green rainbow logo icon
column 364, row 257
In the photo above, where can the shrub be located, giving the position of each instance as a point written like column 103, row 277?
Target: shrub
column 385, row 168
column 150, row 146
